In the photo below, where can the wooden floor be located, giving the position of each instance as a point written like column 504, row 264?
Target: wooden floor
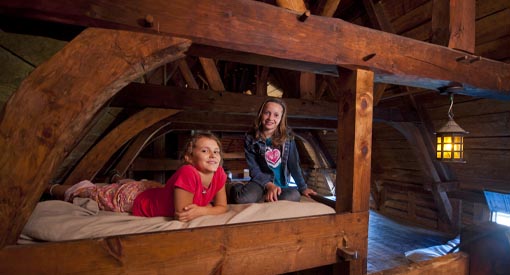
column 388, row 240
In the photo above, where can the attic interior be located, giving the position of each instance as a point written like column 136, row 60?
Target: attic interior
column 138, row 132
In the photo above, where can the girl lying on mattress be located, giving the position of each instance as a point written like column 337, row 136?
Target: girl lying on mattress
column 196, row 189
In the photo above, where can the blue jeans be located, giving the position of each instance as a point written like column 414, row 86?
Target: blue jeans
column 252, row 192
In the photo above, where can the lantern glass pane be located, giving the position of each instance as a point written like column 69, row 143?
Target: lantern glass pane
column 458, row 139
column 438, row 148
column 438, row 155
column 447, row 147
column 456, row 147
column 447, row 139
column 456, row 155
column 439, row 139
column 447, row 155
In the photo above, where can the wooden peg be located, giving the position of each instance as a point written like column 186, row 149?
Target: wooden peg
column 149, row 21
column 304, row 16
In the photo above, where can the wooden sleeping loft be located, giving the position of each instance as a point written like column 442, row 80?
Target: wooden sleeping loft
column 136, row 78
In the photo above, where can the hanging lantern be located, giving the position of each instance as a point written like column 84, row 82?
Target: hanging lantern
column 450, row 140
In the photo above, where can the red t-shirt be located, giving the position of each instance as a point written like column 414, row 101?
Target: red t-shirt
column 157, row 202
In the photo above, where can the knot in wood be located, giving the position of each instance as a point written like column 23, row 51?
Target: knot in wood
column 364, row 150
column 149, row 21
column 364, row 104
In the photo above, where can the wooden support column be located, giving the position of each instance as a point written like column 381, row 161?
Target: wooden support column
column 45, row 116
column 354, row 140
column 262, row 77
column 440, row 22
column 462, row 25
column 355, row 111
column 307, row 86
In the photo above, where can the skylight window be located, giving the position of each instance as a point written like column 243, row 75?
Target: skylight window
column 499, row 205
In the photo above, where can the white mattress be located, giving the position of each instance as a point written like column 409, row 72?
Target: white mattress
column 61, row 221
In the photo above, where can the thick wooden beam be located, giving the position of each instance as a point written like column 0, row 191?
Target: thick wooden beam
column 354, row 141
column 354, row 146
column 217, row 53
column 250, row 26
column 156, row 96
column 286, row 246
column 215, row 118
column 45, row 116
column 138, row 95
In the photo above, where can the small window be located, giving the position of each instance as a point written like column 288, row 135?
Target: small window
column 501, row 218
column 499, row 205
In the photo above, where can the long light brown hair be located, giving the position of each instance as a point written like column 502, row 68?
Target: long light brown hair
column 282, row 132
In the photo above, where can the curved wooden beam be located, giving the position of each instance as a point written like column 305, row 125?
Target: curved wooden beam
column 414, row 137
column 44, row 117
column 96, row 158
column 140, row 142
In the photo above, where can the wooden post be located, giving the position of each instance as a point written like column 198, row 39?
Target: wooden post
column 462, row 25
column 355, row 112
column 45, row 116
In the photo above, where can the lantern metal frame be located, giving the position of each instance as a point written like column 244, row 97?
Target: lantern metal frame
column 450, row 139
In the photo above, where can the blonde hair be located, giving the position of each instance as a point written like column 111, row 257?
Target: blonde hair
column 282, row 132
column 192, row 142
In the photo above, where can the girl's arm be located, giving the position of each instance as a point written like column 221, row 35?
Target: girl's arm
column 186, row 211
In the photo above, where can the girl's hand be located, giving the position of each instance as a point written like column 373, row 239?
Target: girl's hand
column 309, row 192
column 188, row 213
column 272, row 192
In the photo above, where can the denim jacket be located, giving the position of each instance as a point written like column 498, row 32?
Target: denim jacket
column 261, row 173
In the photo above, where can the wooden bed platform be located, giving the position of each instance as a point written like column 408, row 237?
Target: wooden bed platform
column 45, row 117
column 56, row 123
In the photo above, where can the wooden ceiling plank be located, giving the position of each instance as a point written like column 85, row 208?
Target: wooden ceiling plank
column 156, row 96
column 394, row 59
